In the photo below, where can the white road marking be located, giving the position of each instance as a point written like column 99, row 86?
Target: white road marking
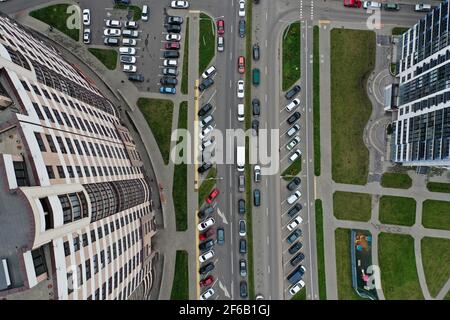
column 224, row 289
column 222, row 216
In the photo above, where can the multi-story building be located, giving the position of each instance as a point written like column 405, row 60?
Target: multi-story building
column 76, row 219
column 421, row 130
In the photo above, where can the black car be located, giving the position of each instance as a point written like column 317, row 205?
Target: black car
column 256, row 51
column 295, row 116
column 136, row 77
column 256, row 107
column 241, row 205
column 291, row 186
column 173, row 28
column 241, row 28
column 174, row 20
column 204, row 167
column 295, row 247
column 297, row 259
column 243, row 289
column 256, row 197
column 255, row 127
column 205, row 84
column 294, row 236
column 171, row 54
column 243, row 246
column 294, row 210
column 291, row 93
column 205, row 109
column 205, row 212
column 206, row 245
column 168, row 80
column 206, row 268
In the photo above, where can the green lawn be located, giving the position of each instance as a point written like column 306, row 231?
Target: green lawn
column 180, row 286
column 436, row 214
column 343, row 266
column 397, row 210
column 396, row 180
column 158, row 113
column 447, row 296
column 399, row 31
column 291, row 55
column 436, row 262
column 57, row 17
column 352, row 206
column 106, row 56
column 137, row 11
column 320, row 250
column 206, row 186
column 352, row 61
column 301, row 295
column 438, row 187
column 316, row 100
column 207, row 45
column 293, row 169
column 179, row 191
column 184, row 75
column 398, row 267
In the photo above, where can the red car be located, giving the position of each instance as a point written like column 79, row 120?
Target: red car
column 212, row 195
column 205, row 235
column 207, row 281
column 241, row 64
column 172, row 46
column 220, row 26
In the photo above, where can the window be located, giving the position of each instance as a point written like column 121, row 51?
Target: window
column 86, row 171
column 70, row 171
column 79, row 172
column 48, row 114
column 78, row 146
column 100, row 232
column 102, row 258
column 76, row 243
column 76, row 208
column 38, row 111
column 95, row 260
column 66, row 248
column 51, row 144
column 67, row 210
column 70, row 146
column 51, row 174
column 85, row 239
column 61, row 144
column 61, row 173
column 88, row 269
column 40, row 142
column 20, row 170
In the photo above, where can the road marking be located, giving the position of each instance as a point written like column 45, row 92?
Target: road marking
column 231, row 27
column 222, row 216
column 231, row 57
column 268, row 269
column 265, row 98
column 224, row 289
column 266, row 43
column 267, row 240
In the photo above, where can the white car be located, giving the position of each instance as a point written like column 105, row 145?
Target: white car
column 241, row 8
column 206, row 144
column 293, row 143
column 294, row 197
column 87, row 36
column 206, row 256
column 295, row 155
column 127, row 50
column 422, row 7
column 170, row 63
column 296, row 287
column 179, row 4
column 220, row 43
column 129, row 68
column 206, row 224
column 293, row 130
column 173, row 37
column 131, row 25
column 206, row 132
column 209, row 72
column 129, row 42
column 240, row 89
column 295, row 222
column 257, row 173
column 294, row 104
column 371, row 5
column 207, row 294
column 86, row 17
column 240, row 112
column 112, row 33
column 128, row 59
column 242, row 228
column 113, row 23
column 206, row 121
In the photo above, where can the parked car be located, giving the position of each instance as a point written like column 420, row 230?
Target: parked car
column 243, row 289
column 295, row 155
column 205, row 132
column 86, row 17
column 171, row 54
column 205, row 235
column 206, row 224
column 207, row 294
column 112, row 33
column 206, row 144
column 371, row 5
column 179, row 4
column 206, row 245
column 174, row 20
column 113, row 24
column 220, row 26
column 297, row 259
column 241, row 64
column 242, row 28
column 129, row 68
column 206, row 268
column 256, row 109
column 294, row 210
column 207, row 211
column 240, row 112
column 242, row 246
column 294, row 197
column 220, row 43
column 256, row 51
column 172, row 46
column 293, row 130
column 422, row 7
column 241, row 8
column 127, row 59
column 173, row 28
column 391, row 6
column 220, row 236
column 256, row 76
column 296, row 234
column 294, row 104
column 240, row 88
column 256, row 197
column 170, row 63
column 296, row 287
column 209, row 72
column 241, row 206
column 172, row 81
column 204, row 167
column 87, row 36
column 205, row 109
column 170, row 71
column 131, row 25
column 294, row 184
column 243, row 267
column 241, row 183
column 295, row 247
column 209, row 280
column 206, row 121
column 242, row 228
column 213, row 195
column 205, row 84
column 292, row 92
column 127, row 50
column 167, row 90
column 295, row 141
column 129, row 42
column 206, row 256
column 145, row 13
column 136, row 77
column 294, row 117
column 294, row 222
column 257, row 173
column 173, row 37
column 111, row 41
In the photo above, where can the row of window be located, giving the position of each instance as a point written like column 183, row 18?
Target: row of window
column 74, row 206
column 89, row 171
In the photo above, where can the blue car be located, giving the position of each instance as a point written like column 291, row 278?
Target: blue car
column 167, row 90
